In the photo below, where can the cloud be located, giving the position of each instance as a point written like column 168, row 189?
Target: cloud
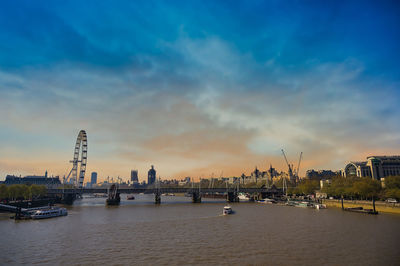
column 201, row 99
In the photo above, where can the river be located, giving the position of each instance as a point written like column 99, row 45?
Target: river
column 178, row 232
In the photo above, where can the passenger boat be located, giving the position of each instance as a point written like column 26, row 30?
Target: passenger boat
column 49, row 213
column 227, row 210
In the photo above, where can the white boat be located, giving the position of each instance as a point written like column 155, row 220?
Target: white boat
column 227, row 210
column 49, row 213
column 100, row 195
column 267, row 201
column 243, row 197
column 319, row 206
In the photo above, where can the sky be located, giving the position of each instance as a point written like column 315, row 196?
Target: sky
column 197, row 88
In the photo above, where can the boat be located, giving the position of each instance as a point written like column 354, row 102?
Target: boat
column 243, row 197
column 227, row 210
column 361, row 210
column 303, row 204
column 100, row 195
column 319, row 206
column 130, row 197
column 267, row 201
column 49, row 213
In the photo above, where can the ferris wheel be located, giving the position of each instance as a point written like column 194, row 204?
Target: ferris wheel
column 80, row 149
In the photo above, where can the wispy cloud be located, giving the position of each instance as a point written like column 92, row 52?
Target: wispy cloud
column 193, row 96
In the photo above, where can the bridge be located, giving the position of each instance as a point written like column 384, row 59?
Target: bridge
column 196, row 193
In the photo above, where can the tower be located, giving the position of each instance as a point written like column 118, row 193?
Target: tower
column 134, row 176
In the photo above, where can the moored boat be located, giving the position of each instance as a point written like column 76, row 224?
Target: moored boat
column 267, row 201
column 243, row 197
column 303, row 204
column 319, row 206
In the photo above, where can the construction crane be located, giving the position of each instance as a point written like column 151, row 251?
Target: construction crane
column 298, row 167
column 290, row 171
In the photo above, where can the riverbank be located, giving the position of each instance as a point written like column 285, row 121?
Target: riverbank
column 379, row 205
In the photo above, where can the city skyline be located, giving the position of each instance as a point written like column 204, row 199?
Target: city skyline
column 196, row 88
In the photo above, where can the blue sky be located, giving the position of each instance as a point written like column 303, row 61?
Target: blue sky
column 196, row 87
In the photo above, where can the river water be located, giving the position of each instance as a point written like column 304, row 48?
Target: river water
column 178, row 232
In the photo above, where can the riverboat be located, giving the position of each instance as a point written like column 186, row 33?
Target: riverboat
column 49, row 213
column 227, row 210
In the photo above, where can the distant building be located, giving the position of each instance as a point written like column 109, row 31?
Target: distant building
column 320, row 174
column 255, row 175
column 33, row 180
column 272, row 172
column 376, row 167
column 134, row 177
column 93, row 179
column 184, row 181
column 151, row 176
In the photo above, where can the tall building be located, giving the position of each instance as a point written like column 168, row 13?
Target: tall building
column 93, row 179
column 151, row 177
column 376, row 167
column 134, row 176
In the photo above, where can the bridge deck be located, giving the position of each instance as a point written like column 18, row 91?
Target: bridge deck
column 163, row 190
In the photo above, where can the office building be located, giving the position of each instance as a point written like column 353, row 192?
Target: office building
column 376, row 167
column 93, row 179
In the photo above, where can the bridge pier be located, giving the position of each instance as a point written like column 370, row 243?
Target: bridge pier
column 68, row 198
column 196, row 197
column 157, row 198
column 232, row 197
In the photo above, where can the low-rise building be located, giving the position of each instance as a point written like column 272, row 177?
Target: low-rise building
column 49, row 182
column 321, row 174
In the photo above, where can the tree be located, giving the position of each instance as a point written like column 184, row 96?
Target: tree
column 366, row 187
column 392, row 182
column 3, row 191
column 392, row 187
column 308, row 187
